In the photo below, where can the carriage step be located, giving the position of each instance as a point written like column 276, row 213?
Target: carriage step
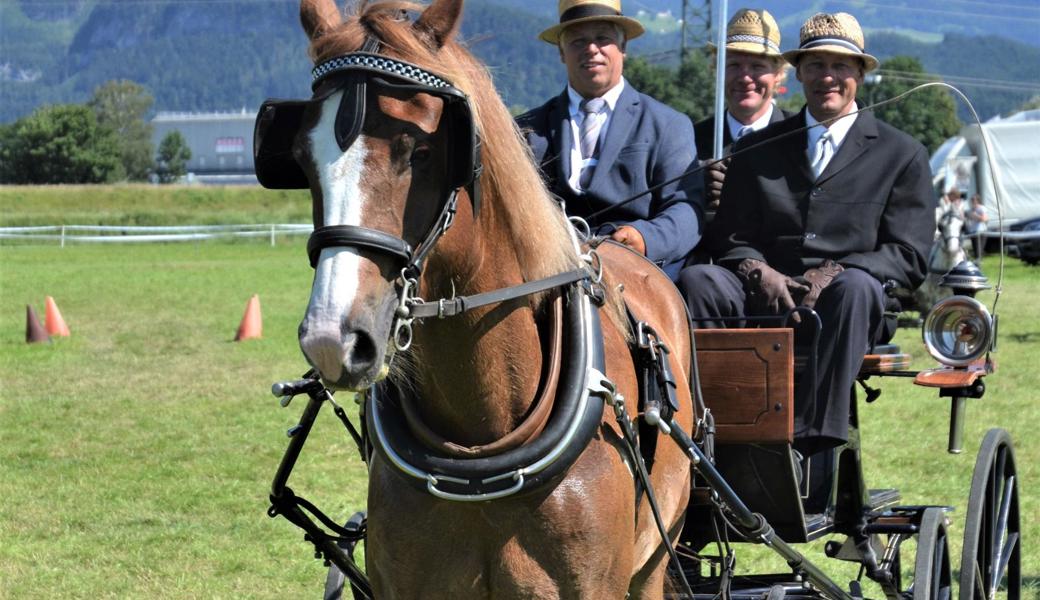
column 818, row 525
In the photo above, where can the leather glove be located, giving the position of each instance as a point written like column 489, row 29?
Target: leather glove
column 714, row 176
column 768, row 290
column 819, row 278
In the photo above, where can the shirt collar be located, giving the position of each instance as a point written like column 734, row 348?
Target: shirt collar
column 756, row 125
column 611, row 97
column 838, row 129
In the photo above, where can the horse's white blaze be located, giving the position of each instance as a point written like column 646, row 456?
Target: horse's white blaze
column 336, row 277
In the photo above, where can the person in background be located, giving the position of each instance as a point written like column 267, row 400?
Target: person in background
column 975, row 219
column 601, row 141
column 836, row 208
column 754, row 70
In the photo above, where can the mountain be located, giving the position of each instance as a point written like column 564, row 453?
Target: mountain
column 230, row 54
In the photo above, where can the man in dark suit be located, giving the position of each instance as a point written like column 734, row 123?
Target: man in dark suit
column 828, row 218
column 602, row 142
column 754, row 69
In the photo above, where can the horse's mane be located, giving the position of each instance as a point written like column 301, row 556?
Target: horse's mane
column 514, row 187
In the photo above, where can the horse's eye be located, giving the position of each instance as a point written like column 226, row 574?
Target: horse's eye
column 420, row 154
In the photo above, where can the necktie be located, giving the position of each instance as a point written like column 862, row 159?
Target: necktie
column 591, row 124
column 822, row 154
column 743, row 131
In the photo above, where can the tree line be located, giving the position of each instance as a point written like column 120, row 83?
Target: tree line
column 106, row 140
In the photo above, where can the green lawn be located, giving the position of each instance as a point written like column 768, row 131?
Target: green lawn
column 136, row 455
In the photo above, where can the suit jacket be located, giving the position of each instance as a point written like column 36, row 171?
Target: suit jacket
column 705, row 133
column 646, row 144
column 872, row 208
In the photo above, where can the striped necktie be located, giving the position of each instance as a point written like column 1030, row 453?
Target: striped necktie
column 591, row 124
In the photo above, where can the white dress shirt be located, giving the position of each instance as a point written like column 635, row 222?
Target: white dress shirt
column 760, row 123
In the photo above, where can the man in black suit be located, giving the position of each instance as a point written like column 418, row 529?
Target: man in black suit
column 754, row 69
column 827, row 217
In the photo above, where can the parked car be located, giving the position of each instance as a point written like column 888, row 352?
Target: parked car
column 1027, row 249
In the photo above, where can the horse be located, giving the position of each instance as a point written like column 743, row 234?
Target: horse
column 947, row 252
column 422, row 187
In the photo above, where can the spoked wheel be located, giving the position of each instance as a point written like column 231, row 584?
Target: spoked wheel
column 932, row 579
column 992, row 545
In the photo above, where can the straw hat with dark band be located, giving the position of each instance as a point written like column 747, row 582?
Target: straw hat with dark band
column 752, row 31
column 838, row 34
column 573, row 12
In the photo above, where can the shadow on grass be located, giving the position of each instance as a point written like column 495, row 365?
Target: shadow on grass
column 1032, row 336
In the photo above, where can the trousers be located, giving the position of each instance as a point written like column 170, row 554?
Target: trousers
column 851, row 311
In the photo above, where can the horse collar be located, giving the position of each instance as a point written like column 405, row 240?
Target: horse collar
column 575, row 418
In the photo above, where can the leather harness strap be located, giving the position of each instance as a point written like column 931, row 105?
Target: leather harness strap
column 533, row 423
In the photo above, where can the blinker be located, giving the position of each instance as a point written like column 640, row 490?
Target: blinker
column 279, row 121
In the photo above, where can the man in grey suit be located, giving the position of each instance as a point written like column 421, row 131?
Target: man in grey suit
column 827, row 218
column 602, row 142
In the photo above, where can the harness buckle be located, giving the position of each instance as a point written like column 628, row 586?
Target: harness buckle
column 402, row 326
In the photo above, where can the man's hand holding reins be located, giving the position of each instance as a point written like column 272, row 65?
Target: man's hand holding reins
column 630, row 236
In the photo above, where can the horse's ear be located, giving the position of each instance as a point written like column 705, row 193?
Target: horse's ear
column 440, row 20
column 319, row 17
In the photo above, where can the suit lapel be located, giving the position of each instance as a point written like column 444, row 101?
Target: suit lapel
column 793, row 147
column 560, row 132
column 860, row 136
column 621, row 123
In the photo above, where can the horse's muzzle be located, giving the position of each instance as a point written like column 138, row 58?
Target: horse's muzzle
column 350, row 359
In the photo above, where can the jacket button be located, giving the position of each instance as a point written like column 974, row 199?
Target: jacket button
column 816, row 191
column 809, row 236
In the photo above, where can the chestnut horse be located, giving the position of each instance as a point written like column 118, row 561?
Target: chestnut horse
column 473, row 384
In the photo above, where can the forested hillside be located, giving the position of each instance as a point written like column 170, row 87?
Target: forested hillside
column 223, row 55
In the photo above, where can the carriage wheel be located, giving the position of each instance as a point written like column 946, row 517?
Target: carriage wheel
column 932, row 579
column 992, row 548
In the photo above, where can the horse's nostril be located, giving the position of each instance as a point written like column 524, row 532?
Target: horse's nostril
column 363, row 353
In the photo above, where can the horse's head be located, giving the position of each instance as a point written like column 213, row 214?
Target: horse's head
column 383, row 146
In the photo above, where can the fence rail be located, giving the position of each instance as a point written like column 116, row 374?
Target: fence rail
column 120, row 234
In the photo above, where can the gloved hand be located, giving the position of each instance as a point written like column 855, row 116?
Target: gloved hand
column 714, row 176
column 819, row 278
column 768, row 289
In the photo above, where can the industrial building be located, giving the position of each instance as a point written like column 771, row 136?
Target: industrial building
column 221, row 143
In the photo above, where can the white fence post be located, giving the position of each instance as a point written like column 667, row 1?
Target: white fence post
column 62, row 236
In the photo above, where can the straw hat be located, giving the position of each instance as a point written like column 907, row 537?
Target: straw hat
column 752, row 31
column 573, row 12
column 838, row 34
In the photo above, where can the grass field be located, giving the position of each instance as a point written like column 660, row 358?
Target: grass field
column 136, row 455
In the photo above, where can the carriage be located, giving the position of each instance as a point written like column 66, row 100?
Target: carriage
column 555, row 426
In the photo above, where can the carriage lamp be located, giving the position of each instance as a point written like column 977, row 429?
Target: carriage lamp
column 958, row 331
column 965, row 279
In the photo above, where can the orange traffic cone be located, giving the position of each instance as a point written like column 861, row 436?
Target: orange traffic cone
column 251, row 326
column 55, row 324
column 34, row 331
